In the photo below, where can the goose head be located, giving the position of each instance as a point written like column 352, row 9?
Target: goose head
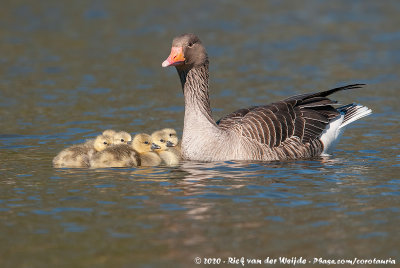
column 102, row 142
column 171, row 136
column 122, row 137
column 142, row 143
column 187, row 52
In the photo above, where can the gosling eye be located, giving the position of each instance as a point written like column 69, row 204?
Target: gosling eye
column 170, row 135
column 146, row 142
column 122, row 140
column 105, row 143
column 162, row 140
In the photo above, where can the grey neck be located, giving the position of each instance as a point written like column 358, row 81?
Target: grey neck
column 201, row 137
column 195, row 89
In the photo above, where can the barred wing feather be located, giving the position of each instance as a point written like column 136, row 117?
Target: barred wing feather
column 303, row 116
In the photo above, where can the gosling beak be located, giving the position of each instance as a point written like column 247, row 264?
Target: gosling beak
column 155, row 146
column 175, row 57
column 170, row 144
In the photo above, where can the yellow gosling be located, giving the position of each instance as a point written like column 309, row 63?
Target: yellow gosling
column 169, row 157
column 142, row 144
column 77, row 156
column 109, row 132
column 172, row 137
column 173, row 142
column 122, row 137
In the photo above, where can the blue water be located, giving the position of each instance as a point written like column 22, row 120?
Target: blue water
column 70, row 70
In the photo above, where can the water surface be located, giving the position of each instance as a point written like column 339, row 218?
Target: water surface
column 69, row 70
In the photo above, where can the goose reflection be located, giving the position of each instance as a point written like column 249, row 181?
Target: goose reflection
column 240, row 171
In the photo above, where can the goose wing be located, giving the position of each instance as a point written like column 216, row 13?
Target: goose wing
column 233, row 118
column 304, row 116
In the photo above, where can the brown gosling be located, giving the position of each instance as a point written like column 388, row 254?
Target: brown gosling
column 169, row 157
column 77, row 156
column 119, row 155
column 142, row 143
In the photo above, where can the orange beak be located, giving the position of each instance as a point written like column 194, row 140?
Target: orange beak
column 175, row 58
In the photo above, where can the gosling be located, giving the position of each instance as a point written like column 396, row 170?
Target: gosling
column 77, row 156
column 172, row 141
column 122, row 137
column 109, row 132
column 118, row 156
column 160, row 146
column 142, row 144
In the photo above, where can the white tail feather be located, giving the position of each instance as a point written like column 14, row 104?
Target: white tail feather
column 358, row 111
column 335, row 128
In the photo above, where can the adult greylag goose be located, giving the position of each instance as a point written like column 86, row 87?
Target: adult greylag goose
column 302, row 126
column 77, row 156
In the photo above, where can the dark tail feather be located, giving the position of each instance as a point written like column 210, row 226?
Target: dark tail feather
column 324, row 93
column 331, row 91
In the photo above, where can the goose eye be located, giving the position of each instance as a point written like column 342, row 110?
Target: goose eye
column 190, row 44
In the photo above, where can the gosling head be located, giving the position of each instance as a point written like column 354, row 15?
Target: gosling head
column 142, row 143
column 159, row 140
column 109, row 132
column 102, row 142
column 122, row 137
column 171, row 136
